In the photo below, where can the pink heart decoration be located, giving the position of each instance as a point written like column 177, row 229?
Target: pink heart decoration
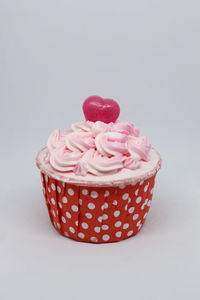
column 96, row 108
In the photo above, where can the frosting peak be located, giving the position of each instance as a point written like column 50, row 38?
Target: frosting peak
column 97, row 148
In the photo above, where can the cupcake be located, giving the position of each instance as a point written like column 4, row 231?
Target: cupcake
column 98, row 177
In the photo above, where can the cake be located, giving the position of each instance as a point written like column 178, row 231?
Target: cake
column 98, row 177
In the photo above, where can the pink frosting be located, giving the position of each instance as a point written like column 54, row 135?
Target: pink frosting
column 97, row 148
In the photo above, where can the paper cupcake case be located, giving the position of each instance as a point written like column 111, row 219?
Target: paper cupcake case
column 97, row 214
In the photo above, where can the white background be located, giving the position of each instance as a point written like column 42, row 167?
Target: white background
column 146, row 55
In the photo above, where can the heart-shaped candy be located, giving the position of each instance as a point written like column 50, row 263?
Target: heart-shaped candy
column 96, row 108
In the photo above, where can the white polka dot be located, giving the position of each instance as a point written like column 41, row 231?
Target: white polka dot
column 135, row 217
column 131, row 210
column 145, row 216
column 80, row 201
column 84, row 225
column 129, row 200
column 139, row 226
column 141, row 182
column 126, row 207
column 106, row 193
column 54, row 224
column 71, row 192
column 104, row 206
column 91, row 205
column 118, row 224
column 151, row 191
column 142, row 207
column 85, row 192
column 130, row 233
column 125, row 226
column 76, row 223
column 138, row 200
column 97, row 229
column 94, row 194
column 117, row 213
column 122, row 186
column 149, row 203
column 53, row 212
column 58, row 189
column 88, row 215
column 53, row 201
column 60, row 204
column 146, row 188
column 46, row 177
column 105, row 237
column 94, row 239
column 100, row 219
column 63, row 219
column 64, row 199
column 81, row 235
column 49, row 190
column 136, row 192
column 72, row 229
column 125, row 196
column 66, row 234
column 74, row 208
column 68, row 214
column 114, row 202
column 138, row 223
column 58, row 224
column 53, row 187
column 105, row 217
column 63, row 184
column 118, row 234
column 105, row 227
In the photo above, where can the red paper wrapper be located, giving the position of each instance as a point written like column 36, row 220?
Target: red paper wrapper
column 97, row 214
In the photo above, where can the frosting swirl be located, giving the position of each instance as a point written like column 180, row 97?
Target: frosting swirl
column 140, row 146
column 64, row 160
column 111, row 143
column 100, row 165
column 97, row 148
column 55, row 139
column 83, row 126
column 79, row 141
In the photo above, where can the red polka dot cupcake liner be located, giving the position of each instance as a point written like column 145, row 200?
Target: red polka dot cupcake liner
column 97, row 214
